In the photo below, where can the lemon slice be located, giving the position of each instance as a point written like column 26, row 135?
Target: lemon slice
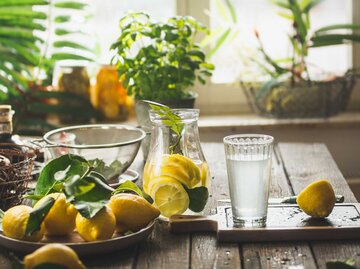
column 181, row 168
column 204, row 174
column 169, row 196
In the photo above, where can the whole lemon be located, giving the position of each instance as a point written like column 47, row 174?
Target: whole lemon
column 99, row 227
column 317, row 199
column 132, row 211
column 15, row 221
column 56, row 254
column 61, row 218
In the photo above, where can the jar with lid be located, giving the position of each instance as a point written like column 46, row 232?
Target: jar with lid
column 176, row 174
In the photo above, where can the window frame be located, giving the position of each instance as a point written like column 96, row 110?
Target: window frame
column 229, row 98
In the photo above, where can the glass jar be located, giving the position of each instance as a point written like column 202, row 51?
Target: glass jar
column 74, row 79
column 176, row 171
column 111, row 96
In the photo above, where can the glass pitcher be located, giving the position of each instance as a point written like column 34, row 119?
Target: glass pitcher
column 176, row 174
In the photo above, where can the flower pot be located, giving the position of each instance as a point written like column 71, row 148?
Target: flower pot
column 142, row 115
column 315, row 99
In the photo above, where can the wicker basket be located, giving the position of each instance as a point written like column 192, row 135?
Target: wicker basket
column 15, row 176
column 319, row 99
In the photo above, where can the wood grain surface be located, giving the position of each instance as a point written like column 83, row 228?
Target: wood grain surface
column 293, row 167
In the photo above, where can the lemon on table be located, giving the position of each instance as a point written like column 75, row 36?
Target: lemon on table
column 317, row 199
column 180, row 168
column 132, row 212
column 169, row 196
column 61, row 218
column 99, row 227
column 15, row 221
column 53, row 254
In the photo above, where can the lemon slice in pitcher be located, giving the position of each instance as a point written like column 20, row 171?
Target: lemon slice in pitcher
column 169, row 196
column 180, row 168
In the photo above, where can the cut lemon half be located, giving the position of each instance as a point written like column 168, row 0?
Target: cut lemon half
column 169, row 196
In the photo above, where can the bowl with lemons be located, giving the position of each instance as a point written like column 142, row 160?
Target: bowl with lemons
column 73, row 205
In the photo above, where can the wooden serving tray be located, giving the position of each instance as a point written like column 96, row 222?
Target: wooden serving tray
column 284, row 223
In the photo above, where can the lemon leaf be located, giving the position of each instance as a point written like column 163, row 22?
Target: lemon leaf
column 108, row 171
column 94, row 195
column 1, row 219
column 129, row 186
column 76, row 186
column 89, row 209
column 198, row 198
column 48, row 176
column 50, row 266
column 38, row 215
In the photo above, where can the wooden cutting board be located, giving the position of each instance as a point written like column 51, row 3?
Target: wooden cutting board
column 284, row 223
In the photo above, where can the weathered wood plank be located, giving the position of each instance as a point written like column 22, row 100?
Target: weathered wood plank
column 164, row 250
column 120, row 259
column 206, row 251
column 305, row 163
column 327, row 251
column 277, row 255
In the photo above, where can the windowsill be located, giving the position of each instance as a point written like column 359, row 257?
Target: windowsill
column 251, row 121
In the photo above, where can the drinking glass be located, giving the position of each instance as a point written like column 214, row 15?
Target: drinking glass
column 248, row 161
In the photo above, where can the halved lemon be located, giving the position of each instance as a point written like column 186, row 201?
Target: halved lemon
column 169, row 196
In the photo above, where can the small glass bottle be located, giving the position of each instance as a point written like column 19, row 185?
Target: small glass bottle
column 6, row 127
column 7, row 142
column 176, row 163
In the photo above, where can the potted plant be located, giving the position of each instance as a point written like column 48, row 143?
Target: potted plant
column 291, row 90
column 160, row 61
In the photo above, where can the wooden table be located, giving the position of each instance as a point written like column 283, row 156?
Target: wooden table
column 294, row 167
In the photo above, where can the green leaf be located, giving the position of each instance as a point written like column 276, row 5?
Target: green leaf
column 129, row 186
column 1, row 219
column 89, row 209
column 90, row 202
column 9, row 3
column 338, row 27
column 71, row 5
column 21, row 12
column 220, row 41
column 77, row 186
column 198, row 198
column 231, row 10
column 62, row 19
column 333, row 39
column 38, row 215
column 33, row 196
column 69, row 56
column 46, row 181
column 108, row 171
column 70, row 44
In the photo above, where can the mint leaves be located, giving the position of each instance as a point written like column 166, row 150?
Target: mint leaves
column 175, row 123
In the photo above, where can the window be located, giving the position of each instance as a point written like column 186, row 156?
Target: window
column 107, row 13
column 222, row 94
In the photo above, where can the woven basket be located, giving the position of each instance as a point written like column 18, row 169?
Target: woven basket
column 318, row 99
column 14, row 178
